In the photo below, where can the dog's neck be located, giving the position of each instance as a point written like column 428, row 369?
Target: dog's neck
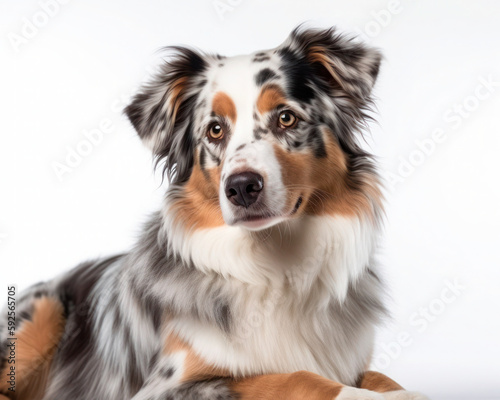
column 329, row 251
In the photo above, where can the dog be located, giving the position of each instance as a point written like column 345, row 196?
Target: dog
column 257, row 278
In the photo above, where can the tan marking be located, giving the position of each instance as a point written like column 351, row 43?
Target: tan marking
column 223, row 105
column 194, row 368
column 198, row 206
column 378, row 382
column 175, row 97
column 36, row 344
column 296, row 170
column 296, row 386
column 318, row 54
column 269, row 98
column 324, row 183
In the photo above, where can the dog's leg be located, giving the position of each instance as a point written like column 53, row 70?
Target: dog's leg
column 380, row 383
column 39, row 325
column 294, row 386
column 204, row 390
column 298, row 386
column 180, row 373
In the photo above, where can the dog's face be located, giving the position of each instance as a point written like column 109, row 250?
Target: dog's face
column 256, row 140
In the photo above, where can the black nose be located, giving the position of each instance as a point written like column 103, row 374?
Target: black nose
column 244, row 189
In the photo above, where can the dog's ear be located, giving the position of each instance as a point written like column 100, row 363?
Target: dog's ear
column 341, row 63
column 163, row 109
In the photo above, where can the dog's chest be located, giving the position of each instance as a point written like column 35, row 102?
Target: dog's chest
column 277, row 339
column 305, row 315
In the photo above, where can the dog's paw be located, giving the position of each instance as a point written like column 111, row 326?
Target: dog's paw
column 350, row 393
column 404, row 395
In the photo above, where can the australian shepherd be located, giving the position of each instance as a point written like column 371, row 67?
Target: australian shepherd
column 257, row 278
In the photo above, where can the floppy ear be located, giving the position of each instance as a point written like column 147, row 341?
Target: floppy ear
column 162, row 111
column 341, row 63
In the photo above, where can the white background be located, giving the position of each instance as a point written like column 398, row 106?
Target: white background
column 443, row 216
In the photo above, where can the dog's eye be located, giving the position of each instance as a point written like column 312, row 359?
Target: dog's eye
column 216, row 132
column 287, row 119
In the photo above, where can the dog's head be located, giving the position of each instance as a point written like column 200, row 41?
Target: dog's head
column 259, row 139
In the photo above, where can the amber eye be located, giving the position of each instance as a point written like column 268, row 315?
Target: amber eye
column 287, row 119
column 215, row 132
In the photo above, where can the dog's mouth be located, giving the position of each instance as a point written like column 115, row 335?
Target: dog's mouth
column 266, row 220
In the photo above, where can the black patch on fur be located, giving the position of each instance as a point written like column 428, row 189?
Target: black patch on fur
column 74, row 292
column 203, row 162
column 152, row 363
column 213, row 389
column 213, row 157
column 167, row 372
column 315, row 140
column 201, row 83
column 258, row 132
column 40, row 293
column 150, row 305
column 134, row 375
column 203, row 158
column 264, row 76
column 241, row 146
column 222, row 312
column 260, row 57
column 299, row 75
column 24, row 316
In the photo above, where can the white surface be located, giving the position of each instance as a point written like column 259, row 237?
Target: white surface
column 443, row 220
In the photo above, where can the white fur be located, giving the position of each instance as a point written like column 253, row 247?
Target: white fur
column 337, row 249
column 286, row 304
column 157, row 386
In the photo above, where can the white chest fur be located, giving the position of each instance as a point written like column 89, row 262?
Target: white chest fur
column 299, row 316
